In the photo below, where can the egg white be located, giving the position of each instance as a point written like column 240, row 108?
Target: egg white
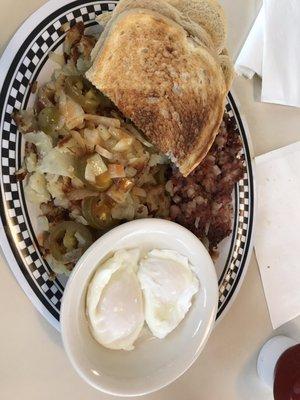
column 168, row 284
column 114, row 302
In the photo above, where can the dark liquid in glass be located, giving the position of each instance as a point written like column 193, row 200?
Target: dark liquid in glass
column 287, row 375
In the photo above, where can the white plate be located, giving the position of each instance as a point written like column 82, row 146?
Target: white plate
column 26, row 60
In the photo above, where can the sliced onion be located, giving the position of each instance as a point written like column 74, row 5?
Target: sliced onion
column 77, row 183
column 138, row 136
column 197, row 220
column 119, row 133
column 123, row 144
column 79, row 139
column 106, row 121
column 137, row 191
column 130, row 172
column 72, row 111
column 80, row 194
column 103, row 152
column 103, row 132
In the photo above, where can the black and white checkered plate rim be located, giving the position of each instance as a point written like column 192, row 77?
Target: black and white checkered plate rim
column 20, row 65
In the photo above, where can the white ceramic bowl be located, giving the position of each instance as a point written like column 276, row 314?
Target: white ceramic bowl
column 155, row 363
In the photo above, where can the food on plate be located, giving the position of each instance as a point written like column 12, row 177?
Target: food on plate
column 88, row 167
column 204, row 19
column 168, row 81
column 168, row 285
column 114, row 301
column 128, row 290
column 202, row 202
column 68, row 240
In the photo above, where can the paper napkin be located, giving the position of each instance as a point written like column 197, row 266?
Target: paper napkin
column 277, row 242
column 249, row 62
column 272, row 50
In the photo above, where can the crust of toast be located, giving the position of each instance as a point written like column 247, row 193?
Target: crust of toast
column 201, row 18
column 207, row 13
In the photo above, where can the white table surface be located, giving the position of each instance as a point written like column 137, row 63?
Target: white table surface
column 33, row 365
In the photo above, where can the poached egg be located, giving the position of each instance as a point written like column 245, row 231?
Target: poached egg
column 126, row 291
column 168, row 284
column 114, row 301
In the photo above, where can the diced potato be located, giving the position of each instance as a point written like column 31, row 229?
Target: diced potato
column 42, row 141
column 62, row 202
column 36, row 190
column 94, row 166
column 92, row 138
column 169, row 188
column 116, row 171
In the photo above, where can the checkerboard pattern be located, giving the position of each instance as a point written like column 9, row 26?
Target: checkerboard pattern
column 20, row 86
column 239, row 244
column 233, row 267
column 28, row 65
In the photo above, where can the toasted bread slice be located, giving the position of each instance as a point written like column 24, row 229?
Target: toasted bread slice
column 164, row 8
column 172, row 89
column 203, row 19
column 198, row 17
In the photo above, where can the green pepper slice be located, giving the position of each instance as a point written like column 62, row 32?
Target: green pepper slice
column 102, row 181
column 62, row 239
column 83, row 92
column 48, row 119
column 97, row 213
